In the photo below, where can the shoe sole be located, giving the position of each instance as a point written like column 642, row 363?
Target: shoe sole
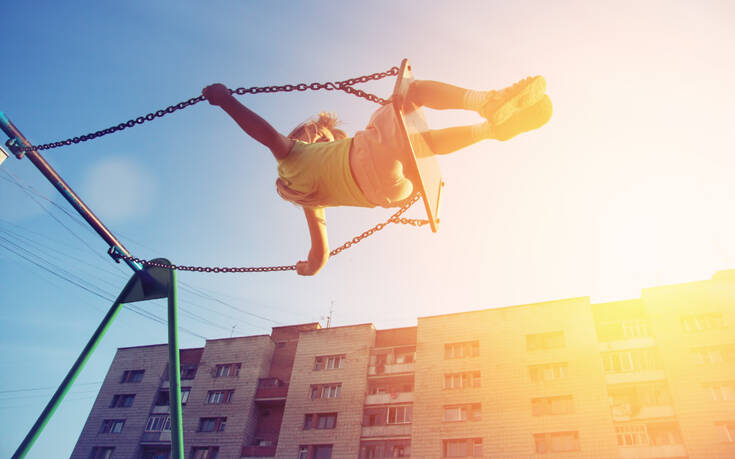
column 526, row 97
column 528, row 119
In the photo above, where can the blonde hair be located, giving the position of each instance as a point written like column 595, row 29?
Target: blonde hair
column 310, row 131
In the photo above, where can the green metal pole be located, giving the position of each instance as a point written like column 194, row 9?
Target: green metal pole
column 174, row 368
column 71, row 376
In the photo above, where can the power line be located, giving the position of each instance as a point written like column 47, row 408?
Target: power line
column 199, row 292
column 47, row 387
column 110, row 299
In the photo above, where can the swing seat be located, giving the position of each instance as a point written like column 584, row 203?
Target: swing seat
column 425, row 167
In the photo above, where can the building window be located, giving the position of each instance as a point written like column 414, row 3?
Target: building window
column 227, row 369
column 631, row 360
column 462, row 447
column 551, row 340
column 122, row 400
column 212, row 424
column 627, row 400
column 545, row 406
column 632, row 435
column 385, row 448
column 462, row 380
column 548, row 371
column 217, row 397
column 315, row 452
column 624, row 329
column 556, row 442
column 462, row 350
column 101, row 452
column 654, row 434
column 721, row 391
column 320, row 421
column 329, row 362
column 162, row 398
column 727, row 431
column 112, row 425
column 702, row 322
column 132, row 376
column 714, row 354
column 325, row 391
column 188, row 371
column 204, row 452
column 464, row 412
column 158, row 423
column 399, row 414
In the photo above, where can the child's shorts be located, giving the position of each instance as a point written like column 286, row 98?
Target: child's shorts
column 378, row 158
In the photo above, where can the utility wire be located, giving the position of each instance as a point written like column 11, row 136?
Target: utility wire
column 110, row 299
column 48, row 387
column 199, row 292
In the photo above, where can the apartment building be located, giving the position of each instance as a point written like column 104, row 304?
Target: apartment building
column 652, row 377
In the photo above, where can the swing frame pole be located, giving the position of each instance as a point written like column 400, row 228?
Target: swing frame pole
column 16, row 140
column 71, row 376
column 145, row 284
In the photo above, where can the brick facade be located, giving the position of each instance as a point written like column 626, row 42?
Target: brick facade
column 643, row 378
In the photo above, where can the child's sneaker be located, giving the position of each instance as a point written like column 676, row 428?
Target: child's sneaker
column 502, row 104
column 527, row 119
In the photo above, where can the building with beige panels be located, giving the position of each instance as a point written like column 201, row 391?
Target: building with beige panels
column 652, row 377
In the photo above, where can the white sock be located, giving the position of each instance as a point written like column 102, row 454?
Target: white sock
column 481, row 131
column 474, row 100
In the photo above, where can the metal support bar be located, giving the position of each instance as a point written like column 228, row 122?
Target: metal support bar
column 17, row 137
column 174, row 368
column 71, row 376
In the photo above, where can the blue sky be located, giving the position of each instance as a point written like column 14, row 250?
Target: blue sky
column 628, row 186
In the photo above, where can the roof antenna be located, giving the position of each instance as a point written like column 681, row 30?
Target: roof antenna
column 331, row 310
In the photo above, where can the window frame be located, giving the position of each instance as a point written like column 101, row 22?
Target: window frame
column 132, row 376
column 221, row 396
column 119, row 401
column 218, row 424
column 110, row 426
column 227, row 370
column 462, row 350
column 158, row 423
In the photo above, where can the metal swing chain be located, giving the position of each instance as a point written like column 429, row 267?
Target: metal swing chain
column 395, row 218
column 345, row 85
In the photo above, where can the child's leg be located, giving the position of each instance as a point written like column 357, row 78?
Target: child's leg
column 449, row 140
column 437, row 95
column 496, row 106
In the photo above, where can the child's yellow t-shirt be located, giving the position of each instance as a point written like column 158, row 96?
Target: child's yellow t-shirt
column 321, row 173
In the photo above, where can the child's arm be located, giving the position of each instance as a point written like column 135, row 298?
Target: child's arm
column 319, row 253
column 255, row 126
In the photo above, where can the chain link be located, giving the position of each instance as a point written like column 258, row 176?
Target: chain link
column 395, row 218
column 345, row 85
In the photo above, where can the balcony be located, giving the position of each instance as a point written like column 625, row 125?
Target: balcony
column 271, row 389
column 258, row 451
column 626, row 412
column 389, row 430
column 156, row 437
column 386, row 398
column 391, row 369
column 645, row 452
column 635, row 376
column 629, row 343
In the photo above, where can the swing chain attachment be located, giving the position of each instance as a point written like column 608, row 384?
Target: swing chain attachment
column 345, row 85
column 395, row 218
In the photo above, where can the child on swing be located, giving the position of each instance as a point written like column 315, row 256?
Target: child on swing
column 320, row 166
